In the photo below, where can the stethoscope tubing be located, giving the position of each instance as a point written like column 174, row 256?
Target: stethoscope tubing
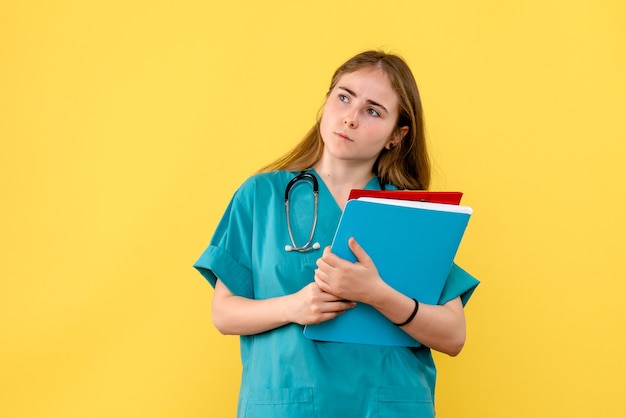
column 303, row 175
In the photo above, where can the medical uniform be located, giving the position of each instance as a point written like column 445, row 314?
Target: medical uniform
column 284, row 373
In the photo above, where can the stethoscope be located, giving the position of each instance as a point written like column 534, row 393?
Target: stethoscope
column 303, row 175
column 307, row 246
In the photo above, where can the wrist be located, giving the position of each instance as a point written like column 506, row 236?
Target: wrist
column 287, row 315
column 411, row 316
column 382, row 296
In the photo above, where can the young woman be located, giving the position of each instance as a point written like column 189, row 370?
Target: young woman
column 370, row 136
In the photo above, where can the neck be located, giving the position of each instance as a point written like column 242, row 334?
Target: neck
column 340, row 178
column 344, row 174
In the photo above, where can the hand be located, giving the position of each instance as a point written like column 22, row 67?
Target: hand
column 349, row 281
column 311, row 305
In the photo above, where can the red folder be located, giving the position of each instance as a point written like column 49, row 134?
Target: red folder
column 451, row 198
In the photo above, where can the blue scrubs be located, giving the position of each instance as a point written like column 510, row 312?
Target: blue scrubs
column 284, row 373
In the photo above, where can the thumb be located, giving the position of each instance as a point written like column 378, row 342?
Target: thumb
column 359, row 252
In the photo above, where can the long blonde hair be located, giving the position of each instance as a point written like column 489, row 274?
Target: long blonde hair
column 407, row 165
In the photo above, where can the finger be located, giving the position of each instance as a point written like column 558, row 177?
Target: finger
column 359, row 252
column 327, row 291
column 344, row 305
column 321, row 284
column 338, row 306
column 322, row 264
column 323, row 261
column 327, row 316
column 329, row 257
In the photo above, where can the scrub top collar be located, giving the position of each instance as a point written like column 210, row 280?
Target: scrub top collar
column 373, row 184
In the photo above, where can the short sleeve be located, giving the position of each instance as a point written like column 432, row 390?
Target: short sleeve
column 228, row 256
column 459, row 283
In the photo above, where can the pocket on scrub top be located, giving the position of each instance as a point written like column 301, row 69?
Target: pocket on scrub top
column 394, row 402
column 280, row 403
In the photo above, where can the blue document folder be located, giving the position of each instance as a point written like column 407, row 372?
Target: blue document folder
column 413, row 245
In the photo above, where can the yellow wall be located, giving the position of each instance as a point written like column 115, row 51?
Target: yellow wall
column 125, row 126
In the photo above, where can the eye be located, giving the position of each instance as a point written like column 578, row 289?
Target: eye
column 373, row 112
column 344, row 98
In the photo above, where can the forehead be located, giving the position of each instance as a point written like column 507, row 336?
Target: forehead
column 370, row 84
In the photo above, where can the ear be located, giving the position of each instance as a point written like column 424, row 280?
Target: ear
column 397, row 136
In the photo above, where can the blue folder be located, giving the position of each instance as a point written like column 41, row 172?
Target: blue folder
column 413, row 245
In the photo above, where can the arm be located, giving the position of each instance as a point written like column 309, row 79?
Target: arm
column 238, row 315
column 441, row 328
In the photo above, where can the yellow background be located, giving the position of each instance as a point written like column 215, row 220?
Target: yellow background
column 125, row 127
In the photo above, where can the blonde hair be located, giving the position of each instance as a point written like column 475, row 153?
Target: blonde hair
column 407, row 165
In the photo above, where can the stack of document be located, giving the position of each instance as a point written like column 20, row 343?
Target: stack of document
column 412, row 243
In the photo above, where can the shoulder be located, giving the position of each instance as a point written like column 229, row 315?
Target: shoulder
column 268, row 179
column 264, row 184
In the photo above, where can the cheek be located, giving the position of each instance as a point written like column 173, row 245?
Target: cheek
column 326, row 118
column 333, row 109
column 378, row 131
column 323, row 125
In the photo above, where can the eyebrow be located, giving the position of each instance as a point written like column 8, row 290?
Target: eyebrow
column 372, row 102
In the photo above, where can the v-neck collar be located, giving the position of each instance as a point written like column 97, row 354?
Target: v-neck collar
column 373, row 184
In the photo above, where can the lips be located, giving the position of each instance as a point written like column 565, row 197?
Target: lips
column 343, row 136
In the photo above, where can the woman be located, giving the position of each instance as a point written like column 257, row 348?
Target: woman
column 370, row 136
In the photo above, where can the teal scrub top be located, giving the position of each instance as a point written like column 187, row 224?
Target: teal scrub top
column 284, row 373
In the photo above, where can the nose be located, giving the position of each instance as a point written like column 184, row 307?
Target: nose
column 350, row 120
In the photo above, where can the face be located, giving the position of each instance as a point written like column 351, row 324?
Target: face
column 360, row 117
